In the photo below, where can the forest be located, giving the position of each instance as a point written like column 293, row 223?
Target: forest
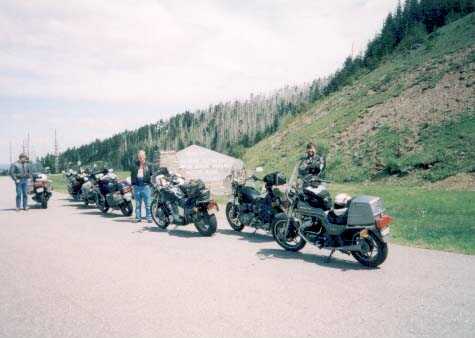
column 233, row 126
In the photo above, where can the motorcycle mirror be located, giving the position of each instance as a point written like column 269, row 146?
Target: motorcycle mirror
column 259, row 169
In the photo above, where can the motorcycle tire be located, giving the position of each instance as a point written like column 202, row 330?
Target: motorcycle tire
column 162, row 224
column 127, row 208
column 208, row 225
column 102, row 204
column 44, row 202
column 233, row 220
column 278, row 233
column 381, row 251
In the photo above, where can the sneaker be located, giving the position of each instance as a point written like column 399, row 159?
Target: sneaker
column 17, row 209
column 150, row 221
column 137, row 220
column 25, row 209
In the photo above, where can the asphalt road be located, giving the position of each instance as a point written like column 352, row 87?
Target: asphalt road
column 69, row 271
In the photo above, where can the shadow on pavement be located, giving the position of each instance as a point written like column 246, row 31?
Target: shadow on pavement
column 100, row 213
column 81, row 206
column 252, row 237
column 171, row 232
column 334, row 263
column 8, row 209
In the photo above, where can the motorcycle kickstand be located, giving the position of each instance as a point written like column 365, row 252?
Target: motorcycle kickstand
column 328, row 259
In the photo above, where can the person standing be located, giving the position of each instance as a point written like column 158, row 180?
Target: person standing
column 20, row 172
column 311, row 164
column 141, row 177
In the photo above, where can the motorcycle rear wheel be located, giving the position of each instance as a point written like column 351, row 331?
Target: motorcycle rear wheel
column 161, row 223
column 376, row 246
column 233, row 217
column 127, row 208
column 208, row 225
column 281, row 236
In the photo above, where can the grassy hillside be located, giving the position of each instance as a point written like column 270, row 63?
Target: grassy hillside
column 414, row 116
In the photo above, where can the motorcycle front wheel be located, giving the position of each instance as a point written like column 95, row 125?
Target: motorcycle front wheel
column 375, row 251
column 159, row 216
column 102, row 204
column 286, row 235
column 44, row 201
column 127, row 208
column 207, row 225
column 233, row 217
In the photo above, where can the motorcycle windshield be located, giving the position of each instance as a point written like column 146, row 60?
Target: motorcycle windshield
column 293, row 181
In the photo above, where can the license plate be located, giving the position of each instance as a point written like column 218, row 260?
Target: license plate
column 385, row 232
column 39, row 189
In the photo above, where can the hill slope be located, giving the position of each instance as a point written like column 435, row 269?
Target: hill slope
column 412, row 115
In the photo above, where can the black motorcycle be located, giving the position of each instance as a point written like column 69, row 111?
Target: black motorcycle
column 248, row 207
column 90, row 191
column 74, row 181
column 351, row 225
column 178, row 202
column 114, row 194
column 41, row 189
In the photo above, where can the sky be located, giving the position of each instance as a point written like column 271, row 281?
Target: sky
column 90, row 69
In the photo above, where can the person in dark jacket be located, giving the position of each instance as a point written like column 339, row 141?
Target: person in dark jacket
column 311, row 164
column 20, row 172
column 141, row 177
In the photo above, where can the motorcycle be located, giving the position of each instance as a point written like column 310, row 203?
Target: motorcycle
column 176, row 201
column 114, row 194
column 74, row 182
column 355, row 226
column 90, row 189
column 41, row 189
column 247, row 207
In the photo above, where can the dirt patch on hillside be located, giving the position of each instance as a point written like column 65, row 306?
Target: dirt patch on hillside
column 457, row 182
column 419, row 104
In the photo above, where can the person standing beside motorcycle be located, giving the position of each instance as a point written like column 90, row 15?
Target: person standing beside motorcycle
column 312, row 164
column 141, row 177
column 20, row 172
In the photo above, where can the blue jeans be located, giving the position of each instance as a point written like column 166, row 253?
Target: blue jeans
column 142, row 193
column 21, row 193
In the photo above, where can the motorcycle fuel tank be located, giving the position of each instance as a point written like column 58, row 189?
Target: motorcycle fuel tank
column 248, row 194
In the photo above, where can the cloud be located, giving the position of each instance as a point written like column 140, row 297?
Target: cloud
column 163, row 55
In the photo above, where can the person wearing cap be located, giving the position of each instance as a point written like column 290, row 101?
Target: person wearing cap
column 20, row 172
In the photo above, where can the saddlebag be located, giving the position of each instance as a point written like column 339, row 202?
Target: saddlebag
column 364, row 209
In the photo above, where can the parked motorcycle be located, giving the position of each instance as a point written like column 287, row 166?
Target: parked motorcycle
column 90, row 189
column 41, row 189
column 74, row 181
column 356, row 226
column 176, row 201
column 248, row 207
column 114, row 194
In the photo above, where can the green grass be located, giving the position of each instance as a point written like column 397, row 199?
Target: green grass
column 59, row 182
column 434, row 219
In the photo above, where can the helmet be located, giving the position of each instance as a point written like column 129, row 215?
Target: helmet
column 342, row 200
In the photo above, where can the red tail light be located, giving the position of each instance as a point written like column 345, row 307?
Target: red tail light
column 383, row 222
